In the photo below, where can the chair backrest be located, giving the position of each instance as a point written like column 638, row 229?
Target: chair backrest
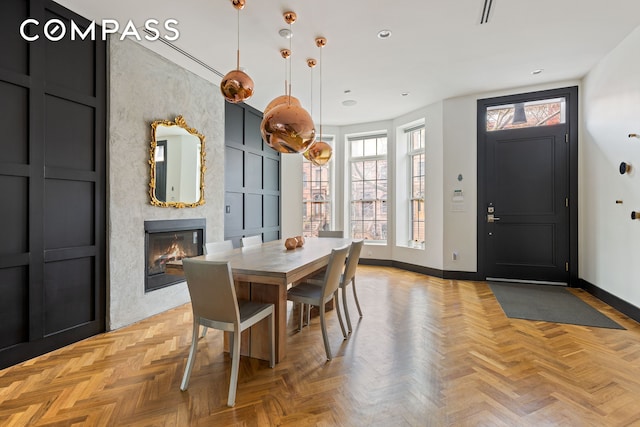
column 352, row 260
column 251, row 241
column 211, row 288
column 332, row 233
column 213, row 247
column 335, row 267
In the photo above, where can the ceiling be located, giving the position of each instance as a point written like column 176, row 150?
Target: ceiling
column 438, row 48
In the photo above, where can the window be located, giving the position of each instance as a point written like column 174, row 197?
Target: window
column 545, row 112
column 368, row 165
column 316, row 196
column 415, row 152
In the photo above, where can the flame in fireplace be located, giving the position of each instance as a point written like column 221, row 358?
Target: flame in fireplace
column 173, row 253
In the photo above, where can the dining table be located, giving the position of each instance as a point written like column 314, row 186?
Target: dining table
column 263, row 273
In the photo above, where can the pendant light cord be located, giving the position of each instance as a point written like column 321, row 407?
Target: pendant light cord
column 238, row 39
column 320, row 92
column 290, row 74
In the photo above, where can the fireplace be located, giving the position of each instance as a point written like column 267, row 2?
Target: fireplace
column 170, row 240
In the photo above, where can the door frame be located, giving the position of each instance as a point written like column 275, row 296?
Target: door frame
column 571, row 95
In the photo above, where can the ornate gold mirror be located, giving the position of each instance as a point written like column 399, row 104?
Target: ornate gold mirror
column 176, row 160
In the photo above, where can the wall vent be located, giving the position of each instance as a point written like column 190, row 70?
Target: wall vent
column 186, row 54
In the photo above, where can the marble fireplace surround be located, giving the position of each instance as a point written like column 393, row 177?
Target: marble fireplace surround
column 144, row 87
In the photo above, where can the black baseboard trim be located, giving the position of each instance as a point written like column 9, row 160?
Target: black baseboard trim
column 428, row 271
column 621, row 305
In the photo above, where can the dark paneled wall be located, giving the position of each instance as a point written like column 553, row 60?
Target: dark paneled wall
column 252, row 178
column 52, row 178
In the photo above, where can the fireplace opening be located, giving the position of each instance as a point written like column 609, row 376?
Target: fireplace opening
column 166, row 241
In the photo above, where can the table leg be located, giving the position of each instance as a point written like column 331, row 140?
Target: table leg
column 255, row 340
column 276, row 295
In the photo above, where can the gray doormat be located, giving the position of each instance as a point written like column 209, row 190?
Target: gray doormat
column 548, row 303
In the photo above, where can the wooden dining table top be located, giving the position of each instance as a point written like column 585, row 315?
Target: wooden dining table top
column 271, row 262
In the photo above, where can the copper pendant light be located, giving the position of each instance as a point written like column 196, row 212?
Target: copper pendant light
column 320, row 152
column 282, row 99
column 236, row 86
column 287, row 127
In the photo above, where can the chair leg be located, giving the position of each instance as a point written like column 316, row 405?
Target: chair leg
column 323, row 326
column 355, row 296
column 192, row 356
column 235, row 364
column 346, row 308
column 272, row 340
column 337, row 304
column 308, row 314
column 204, row 332
column 301, row 316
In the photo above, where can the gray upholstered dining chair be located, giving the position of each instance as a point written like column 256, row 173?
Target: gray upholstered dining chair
column 347, row 278
column 251, row 241
column 313, row 295
column 213, row 247
column 330, row 233
column 214, row 304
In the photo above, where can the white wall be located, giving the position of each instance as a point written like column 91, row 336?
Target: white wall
column 609, row 239
column 431, row 255
column 291, row 195
column 451, row 150
column 145, row 87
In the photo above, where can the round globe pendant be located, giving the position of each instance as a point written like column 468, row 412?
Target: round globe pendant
column 319, row 153
column 236, row 86
column 288, row 129
column 282, row 99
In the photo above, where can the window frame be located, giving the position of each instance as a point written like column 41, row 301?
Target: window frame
column 313, row 204
column 378, row 205
column 412, row 199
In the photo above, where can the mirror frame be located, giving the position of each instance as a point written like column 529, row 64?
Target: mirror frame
column 180, row 122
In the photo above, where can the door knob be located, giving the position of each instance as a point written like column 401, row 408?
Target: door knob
column 492, row 218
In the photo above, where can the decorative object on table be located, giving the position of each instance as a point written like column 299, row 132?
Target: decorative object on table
column 288, row 128
column 291, row 243
column 625, row 168
column 183, row 142
column 319, row 153
column 236, row 86
column 300, row 241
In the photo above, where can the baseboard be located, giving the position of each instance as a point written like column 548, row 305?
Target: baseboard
column 428, row 271
column 621, row 305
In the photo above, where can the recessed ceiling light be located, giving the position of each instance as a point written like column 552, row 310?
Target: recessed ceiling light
column 285, row 33
column 349, row 102
column 405, row 94
column 538, row 71
column 347, row 91
column 384, row 34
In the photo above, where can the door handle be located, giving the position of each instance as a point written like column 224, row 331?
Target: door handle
column 492, row 218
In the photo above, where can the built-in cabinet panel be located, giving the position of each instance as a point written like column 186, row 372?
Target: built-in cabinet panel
column 13, row 12
column 53, row 177
column 14, row 120
column 252, row 178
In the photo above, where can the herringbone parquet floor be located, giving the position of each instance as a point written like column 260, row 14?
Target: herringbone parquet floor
column 428, row 352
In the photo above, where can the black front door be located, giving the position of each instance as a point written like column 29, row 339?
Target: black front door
column 524, row 171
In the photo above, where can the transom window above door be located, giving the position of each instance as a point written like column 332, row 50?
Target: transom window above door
column 543, row 112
